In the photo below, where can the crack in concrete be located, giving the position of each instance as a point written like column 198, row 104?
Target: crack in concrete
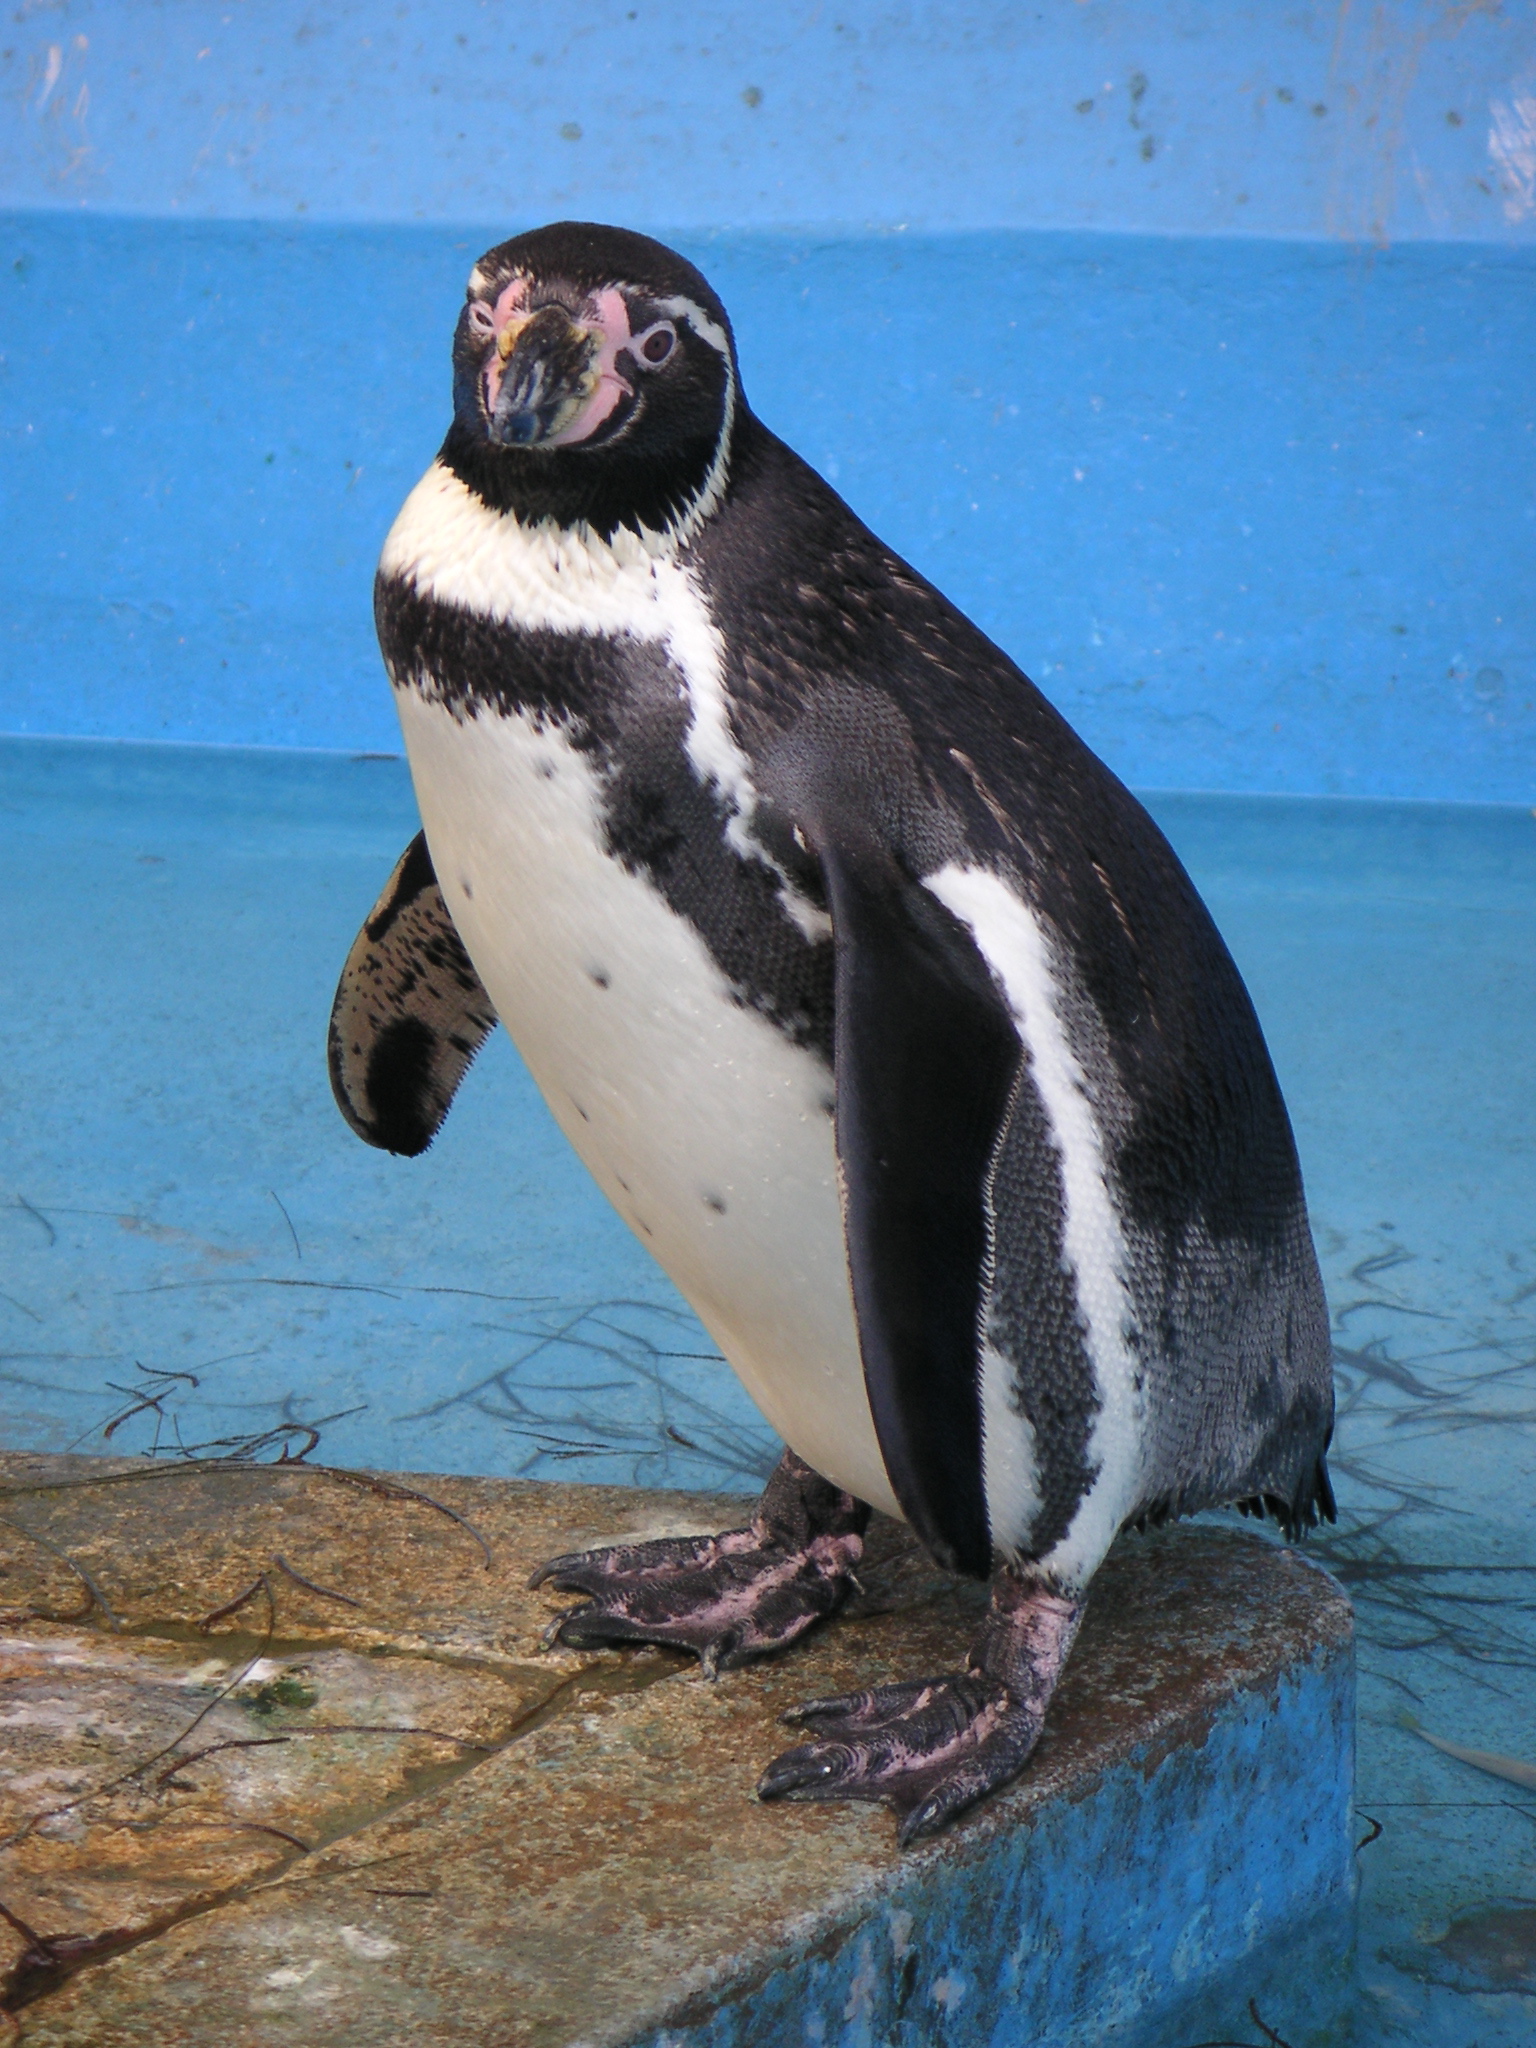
column 51, row 1960
column 48, row 1961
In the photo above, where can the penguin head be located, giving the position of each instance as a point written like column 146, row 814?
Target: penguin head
column 594, row 382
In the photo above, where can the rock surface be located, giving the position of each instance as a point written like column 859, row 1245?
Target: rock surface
column 282, row 1757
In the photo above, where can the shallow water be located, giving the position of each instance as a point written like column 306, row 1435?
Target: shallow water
column 195, row 1254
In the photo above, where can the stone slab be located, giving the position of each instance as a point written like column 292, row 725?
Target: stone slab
column 420, row 1827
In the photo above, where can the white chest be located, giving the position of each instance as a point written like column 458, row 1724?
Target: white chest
column 708, row 1129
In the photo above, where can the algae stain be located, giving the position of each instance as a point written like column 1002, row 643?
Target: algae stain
column 1497, row 1945
column 287, row 1691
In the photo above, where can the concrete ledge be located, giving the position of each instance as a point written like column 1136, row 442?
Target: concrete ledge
column 431, row 1832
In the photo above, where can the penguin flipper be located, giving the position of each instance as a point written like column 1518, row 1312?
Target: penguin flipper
column 925, row 1055
column 410, row 1013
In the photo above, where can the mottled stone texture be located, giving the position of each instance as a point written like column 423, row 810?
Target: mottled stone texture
column 362, row 1805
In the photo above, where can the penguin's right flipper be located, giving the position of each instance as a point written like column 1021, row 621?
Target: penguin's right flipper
column 410, row 1013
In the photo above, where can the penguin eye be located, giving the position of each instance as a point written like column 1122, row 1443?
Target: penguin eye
column 482, row 320
column 654, row 346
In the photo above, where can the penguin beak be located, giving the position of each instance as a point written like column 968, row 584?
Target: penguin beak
column 540, row 376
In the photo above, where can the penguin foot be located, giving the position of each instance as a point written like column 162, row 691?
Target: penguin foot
column 729, row 1598
column 932, row 1747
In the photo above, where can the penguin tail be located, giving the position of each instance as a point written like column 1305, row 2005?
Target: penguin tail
column 1327, row 1506
column 1311, row 1503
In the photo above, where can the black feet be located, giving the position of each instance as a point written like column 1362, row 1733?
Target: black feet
column 934, row 1746
column 728, row 1598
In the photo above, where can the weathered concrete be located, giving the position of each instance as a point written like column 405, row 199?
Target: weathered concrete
column 432, row 1831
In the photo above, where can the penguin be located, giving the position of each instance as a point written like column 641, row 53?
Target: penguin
column 880, row 1010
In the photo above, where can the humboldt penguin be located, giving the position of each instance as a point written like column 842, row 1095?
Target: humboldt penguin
column 871, row 999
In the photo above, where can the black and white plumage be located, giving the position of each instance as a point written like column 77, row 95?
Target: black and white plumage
column 873, row 1001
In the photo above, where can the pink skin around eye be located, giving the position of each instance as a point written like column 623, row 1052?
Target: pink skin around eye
column 607, row 316
column 505, row 309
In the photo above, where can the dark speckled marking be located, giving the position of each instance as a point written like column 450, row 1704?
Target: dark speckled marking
column 410, row 1013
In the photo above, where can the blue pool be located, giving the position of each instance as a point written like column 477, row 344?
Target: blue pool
column 196, row 1256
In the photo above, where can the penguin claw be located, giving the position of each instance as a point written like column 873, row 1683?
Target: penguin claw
column 730, row 1598
column 932, row 1747
column 589, row 1571
column 929, row 1749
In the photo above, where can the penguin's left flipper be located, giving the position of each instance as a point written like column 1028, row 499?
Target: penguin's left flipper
column 926, row 1056
column 932, row 1747
column 410, row 1013
column 730, row 1598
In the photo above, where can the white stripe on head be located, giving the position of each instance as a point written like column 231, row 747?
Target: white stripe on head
column 703, row 324
column 710, row 331
column 1018, row 947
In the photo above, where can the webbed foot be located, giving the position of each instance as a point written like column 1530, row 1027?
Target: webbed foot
column 932, row 1747
column 729, row 1598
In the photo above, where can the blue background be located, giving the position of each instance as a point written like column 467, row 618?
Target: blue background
column 1191, row 348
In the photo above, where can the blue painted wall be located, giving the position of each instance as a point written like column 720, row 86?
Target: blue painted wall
column 1218, row 411
column 1404, row 118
